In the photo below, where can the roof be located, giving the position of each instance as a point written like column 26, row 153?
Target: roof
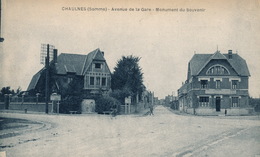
column 35, row 80
column 183, row 88
column 70, row 63
column 94, row 55
column 199, row 61
column 76, row 63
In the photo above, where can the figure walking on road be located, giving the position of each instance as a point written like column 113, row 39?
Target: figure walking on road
column 114, row 111
column 151, row 110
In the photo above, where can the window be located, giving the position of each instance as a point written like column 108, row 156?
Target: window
column 98, row 81
column 69, row 80
column 235, row 102
column 103, row 81
column 91, row 82
column 98, row 65
column 204, row 101
column 234, row 84
column 218, row 84
column 204, row 83
column 217, row 70
column 211, row 71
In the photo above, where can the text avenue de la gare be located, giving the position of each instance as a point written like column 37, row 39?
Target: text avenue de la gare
column 134, row 9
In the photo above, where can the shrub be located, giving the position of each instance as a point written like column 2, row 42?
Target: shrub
column 106, row 104
column 71, row 103
column 120, row 95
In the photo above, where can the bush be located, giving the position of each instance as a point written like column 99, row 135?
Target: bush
column 106, row 104
column 120, row 95
column 71, row 103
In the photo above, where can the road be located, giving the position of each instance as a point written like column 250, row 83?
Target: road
column 164, row 134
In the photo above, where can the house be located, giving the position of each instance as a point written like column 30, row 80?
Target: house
column 216, row 84
column 73, row 74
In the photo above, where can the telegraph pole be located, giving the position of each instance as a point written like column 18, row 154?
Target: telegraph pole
column 47, row 52
column 47, row 80
column 1, row 39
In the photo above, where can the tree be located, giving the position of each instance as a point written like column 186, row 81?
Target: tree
column 6, row 90
column 18, row 90
column 128, row 76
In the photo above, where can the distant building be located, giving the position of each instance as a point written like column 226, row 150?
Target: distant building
column 170, row 99
column 216, row 83
column 156, row 101
column 88, row 74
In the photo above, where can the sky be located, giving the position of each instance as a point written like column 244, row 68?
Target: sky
column 165, row 41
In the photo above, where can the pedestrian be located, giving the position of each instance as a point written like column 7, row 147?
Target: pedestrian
column 114, row 111
column 151, row 110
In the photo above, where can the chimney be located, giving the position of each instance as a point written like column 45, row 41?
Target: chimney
column 102, row 53
column 229, row 54
column 55, row 55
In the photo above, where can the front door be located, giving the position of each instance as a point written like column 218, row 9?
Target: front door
column 218, row 100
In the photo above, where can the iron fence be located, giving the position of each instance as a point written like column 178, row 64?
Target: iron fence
column 27, row 99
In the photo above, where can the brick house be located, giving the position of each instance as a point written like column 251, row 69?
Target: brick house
column 215, row 83
column 89, row 74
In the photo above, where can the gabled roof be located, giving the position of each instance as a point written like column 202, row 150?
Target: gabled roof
column 217, row 55
column 94, row 55
column 199, row 61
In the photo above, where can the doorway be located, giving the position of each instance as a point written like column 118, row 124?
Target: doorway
column 218, row 100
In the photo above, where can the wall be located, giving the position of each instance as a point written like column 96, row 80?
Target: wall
column 30, row 106
column 244, row 101
column 2, row 105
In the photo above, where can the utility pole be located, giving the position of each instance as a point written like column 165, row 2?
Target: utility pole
column 1, row 39
column 47, row 81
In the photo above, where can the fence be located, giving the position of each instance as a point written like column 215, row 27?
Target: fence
column 36, row 104
column 26, row 99
column 137, row 108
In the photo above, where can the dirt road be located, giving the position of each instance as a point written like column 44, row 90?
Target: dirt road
column 164, row 134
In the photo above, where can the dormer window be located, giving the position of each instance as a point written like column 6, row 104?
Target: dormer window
column 98, row 65
column 218, row 70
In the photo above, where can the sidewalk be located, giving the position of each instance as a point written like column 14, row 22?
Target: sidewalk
column 247, row 117
column 179, row 112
